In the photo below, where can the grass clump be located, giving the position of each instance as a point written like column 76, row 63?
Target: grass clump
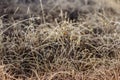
column 64, row 48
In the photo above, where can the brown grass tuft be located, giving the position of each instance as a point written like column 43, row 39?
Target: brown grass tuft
column 82, row 44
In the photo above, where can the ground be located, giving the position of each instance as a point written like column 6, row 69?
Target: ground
column 60, row 40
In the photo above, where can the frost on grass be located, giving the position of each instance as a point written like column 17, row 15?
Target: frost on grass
column 82, row 46
column 59, row 47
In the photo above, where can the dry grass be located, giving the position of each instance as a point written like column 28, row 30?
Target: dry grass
column 82, row 46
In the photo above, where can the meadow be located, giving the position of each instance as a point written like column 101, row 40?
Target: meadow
column 60, row 40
